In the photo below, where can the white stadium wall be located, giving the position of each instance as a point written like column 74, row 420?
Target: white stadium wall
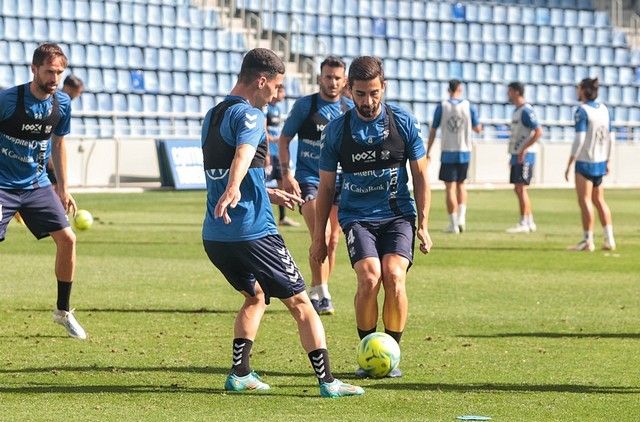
column 99, row 163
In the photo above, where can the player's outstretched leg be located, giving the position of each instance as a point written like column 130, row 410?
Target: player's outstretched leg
column 313, row 341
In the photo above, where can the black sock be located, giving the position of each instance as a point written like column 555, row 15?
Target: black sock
column 64, row 292
column 364, row 333
column 395, row 334
column 281, row 212
column 320, row 361
column 240, row 359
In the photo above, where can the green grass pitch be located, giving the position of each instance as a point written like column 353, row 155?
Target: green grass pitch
column 509, row 326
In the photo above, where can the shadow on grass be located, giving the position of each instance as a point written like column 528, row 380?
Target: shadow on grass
column 211, row 370
column 152, row 310
column 482, row 247
column 133, row 389
column 509, row 388
column 557, row 335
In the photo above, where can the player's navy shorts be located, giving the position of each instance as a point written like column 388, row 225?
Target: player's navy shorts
column 40, row 209
column 596, row 180
column 453, row 172
column 276, row 173
column 521, row 173
column 366, row 239
column 309, row 191
column 266, row 260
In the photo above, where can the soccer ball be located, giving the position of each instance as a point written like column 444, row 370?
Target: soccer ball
column 82, row 220
column 378, row 354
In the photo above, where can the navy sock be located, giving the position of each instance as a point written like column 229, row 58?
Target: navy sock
column 281, row 212
column 395, row 334
column 320, row 361
column 363, row 333
column 64, row 293
column 240, row 360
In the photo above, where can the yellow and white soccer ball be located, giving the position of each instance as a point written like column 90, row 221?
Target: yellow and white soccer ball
column 378, row 354
column 82, row 220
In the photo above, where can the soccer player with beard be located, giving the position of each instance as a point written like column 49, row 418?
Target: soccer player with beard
column 307, row 119
column 373, row 143
column 30, row 115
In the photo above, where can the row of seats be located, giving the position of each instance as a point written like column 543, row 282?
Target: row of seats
column 488, row 52
column 436, row 30
column 121, row 57
column 177, row 13
column 104, row 127
column 68, row 31
column 438, row 11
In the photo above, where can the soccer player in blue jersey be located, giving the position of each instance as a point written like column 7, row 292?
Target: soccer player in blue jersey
column 591, row 151
column 525, row 133
column 373, row 143
column 307, row 119
column 457, row 118
column 31, row 114
column 239, row 232
column 275, row 119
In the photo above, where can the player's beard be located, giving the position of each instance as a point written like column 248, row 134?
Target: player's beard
column 368, row 112
column 48, row 88
column 329, row 93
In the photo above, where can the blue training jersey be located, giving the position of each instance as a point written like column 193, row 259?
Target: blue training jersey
column 365, row 195
column 252, row 218
column 275, row 117
column 309, row 150
column 19, row 158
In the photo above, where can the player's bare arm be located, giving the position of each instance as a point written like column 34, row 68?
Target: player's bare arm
column 239, row 167
column 422, row 194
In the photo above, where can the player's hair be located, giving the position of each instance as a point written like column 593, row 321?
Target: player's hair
column 332, row 61
column 365, row 68
column 47, row 52
column 454, row 84
column 590, row 87
column 72, row 81
column 517, row 87
column 260, row 62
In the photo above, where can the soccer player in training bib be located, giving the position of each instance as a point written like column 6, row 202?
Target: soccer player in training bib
column 30, row 115
column 591, row 151
column 456, row 118
column 525, row 133
column 239, row 232
column 307, row 119
column 373, row 143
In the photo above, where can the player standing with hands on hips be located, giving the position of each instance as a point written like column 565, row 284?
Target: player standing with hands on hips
column 373, row 143
column 30, row 115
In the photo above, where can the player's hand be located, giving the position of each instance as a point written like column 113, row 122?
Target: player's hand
column 68, row 203
column 229, row 198
column 286, row 199
column 425, row 240
column 521, row 157
column 318, row 250
column 566, row 173
column 290, row 184
column 607, row 169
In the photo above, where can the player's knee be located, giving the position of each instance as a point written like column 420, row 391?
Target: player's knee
column 394, row 278
column 332, row 245
column 368, row 282
column 66, row 239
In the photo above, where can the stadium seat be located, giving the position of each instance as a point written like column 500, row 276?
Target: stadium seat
column 104, row 102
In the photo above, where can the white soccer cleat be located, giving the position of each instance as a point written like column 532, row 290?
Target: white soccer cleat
column 69, row 322
column 521, row 228
column 583, row 245
column 462, row 226
column 451, row 228
column 609, row 245
column 532, row 227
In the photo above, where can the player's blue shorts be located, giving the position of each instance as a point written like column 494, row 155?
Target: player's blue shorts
column 521, row 173
column 596, row 180
column 366, row 239
column 453, row 172
column 309, row 191
column 266, row 260
column 40, row 209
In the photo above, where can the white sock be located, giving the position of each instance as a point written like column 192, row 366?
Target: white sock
column 524, row 220
column 608, row 233
column 462, row 213
column 529, row 219
column 324, row 291
column 453, row 219
column 314, row 293
column 588, row 235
